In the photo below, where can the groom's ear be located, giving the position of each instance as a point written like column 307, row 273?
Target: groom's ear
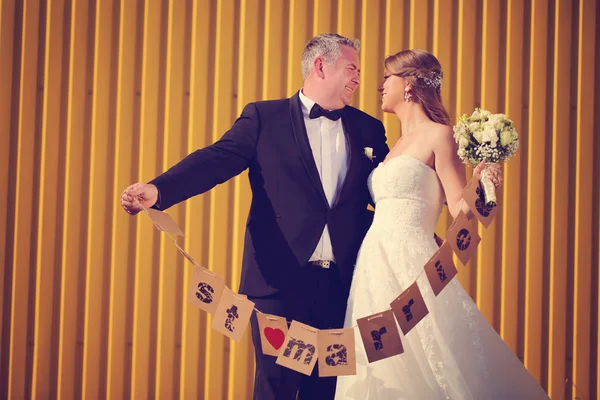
column 318, row 67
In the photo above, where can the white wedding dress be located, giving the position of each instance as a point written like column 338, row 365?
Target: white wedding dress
column 453, row 353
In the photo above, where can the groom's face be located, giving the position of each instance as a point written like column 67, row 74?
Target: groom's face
column 342, row 79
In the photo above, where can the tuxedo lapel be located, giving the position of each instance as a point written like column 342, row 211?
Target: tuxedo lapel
column 354, row 142
column 304, row 146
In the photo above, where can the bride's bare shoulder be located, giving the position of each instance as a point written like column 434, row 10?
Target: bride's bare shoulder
column 441, row 132
column 441, row 129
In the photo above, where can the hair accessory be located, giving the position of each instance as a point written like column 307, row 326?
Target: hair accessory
column 432, row 79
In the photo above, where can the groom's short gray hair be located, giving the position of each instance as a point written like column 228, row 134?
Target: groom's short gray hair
column 326, row 46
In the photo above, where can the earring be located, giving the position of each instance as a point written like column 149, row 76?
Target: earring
column 406, row 96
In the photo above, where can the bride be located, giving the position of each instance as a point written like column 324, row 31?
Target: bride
column 453, row 353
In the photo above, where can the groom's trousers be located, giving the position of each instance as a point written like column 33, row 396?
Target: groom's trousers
column 318, row 298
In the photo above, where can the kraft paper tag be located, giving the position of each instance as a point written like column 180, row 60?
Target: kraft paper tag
column 409, row 308
column 473, row 195
column 233, row 314
column 273, row 330
column 299, row 351
column 463, row 238
column 206, row 289
column 337, row 354
column 164, row 222
column 440, row 269
column 380, row 336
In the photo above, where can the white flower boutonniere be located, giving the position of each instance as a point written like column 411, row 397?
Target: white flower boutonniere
column 369, row 153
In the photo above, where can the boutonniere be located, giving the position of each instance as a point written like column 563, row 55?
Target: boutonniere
column 369, row 153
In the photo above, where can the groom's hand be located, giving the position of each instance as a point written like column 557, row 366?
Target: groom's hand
column 144, row 193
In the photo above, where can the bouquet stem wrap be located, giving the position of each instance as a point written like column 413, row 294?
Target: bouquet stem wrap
column 489, row 190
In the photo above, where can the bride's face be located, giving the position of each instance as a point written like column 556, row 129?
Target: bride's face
column 392, row 92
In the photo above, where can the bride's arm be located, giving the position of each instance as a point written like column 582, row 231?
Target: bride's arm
column 450, row 170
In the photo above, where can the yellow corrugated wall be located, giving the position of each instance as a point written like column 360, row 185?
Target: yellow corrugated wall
column 95, row 95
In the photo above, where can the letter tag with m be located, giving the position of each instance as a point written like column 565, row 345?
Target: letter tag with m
column 310, row 350
column 299, row 351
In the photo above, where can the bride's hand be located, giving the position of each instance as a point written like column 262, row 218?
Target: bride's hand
column 494, row 170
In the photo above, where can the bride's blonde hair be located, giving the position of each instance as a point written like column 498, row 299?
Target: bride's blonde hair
column 424, row 73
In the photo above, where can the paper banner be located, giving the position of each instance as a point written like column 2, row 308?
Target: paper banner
column 409, row 308
column 299, row 352
column 440, row 269
column 206, row 289
column 463, row 238
column 474, row 197
column 301, row 346
column 273, row 330
column 380, row 336
column 233, row 314
column 164, row 222
column 337, row 354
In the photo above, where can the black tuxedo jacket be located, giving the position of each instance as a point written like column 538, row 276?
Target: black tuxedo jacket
column 289, row 209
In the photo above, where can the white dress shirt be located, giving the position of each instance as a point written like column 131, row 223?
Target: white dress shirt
column 330, row 151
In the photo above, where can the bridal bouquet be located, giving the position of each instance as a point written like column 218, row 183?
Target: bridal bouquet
column 486, row 137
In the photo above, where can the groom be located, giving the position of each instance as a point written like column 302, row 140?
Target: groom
column 308, row 173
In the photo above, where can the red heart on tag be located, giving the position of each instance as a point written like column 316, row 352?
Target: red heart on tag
column 275, row 337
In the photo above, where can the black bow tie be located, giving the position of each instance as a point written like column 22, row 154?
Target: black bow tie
column 317, row 111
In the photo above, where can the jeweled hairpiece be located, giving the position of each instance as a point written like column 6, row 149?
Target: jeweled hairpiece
column 433, row 79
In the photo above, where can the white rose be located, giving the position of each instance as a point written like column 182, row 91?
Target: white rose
column 494, row 118
column 478, row 136
column 506, row 137
column 498, row 117
column 474, row 126
column 489, row 135
column 485, row 113
column 497, row 122
column 487, row 125
column 461, row 153
column 463, row 142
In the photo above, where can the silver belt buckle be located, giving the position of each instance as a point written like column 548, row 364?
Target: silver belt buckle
column 322, row 263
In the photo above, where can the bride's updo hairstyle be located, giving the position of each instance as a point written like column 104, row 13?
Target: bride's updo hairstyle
column 424, row 73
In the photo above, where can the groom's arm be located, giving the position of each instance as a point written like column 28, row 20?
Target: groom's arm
column 205, row 168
